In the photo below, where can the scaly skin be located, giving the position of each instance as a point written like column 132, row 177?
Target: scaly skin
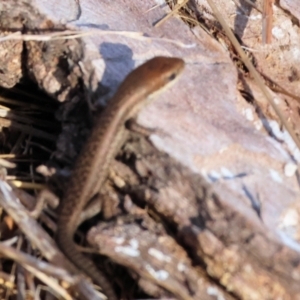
column 106, row 138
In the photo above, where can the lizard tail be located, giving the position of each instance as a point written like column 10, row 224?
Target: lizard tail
column 80, row 261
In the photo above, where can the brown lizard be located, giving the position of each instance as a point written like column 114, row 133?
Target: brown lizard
column 91, row 167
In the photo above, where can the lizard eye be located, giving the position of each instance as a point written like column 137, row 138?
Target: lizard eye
column 172, row 77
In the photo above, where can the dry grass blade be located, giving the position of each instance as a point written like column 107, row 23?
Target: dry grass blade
column 6, row 164
column 6, row 156
column 27, row 129
column 253, row 72
column 10, row 101
column 24, row 118
column 28, row 185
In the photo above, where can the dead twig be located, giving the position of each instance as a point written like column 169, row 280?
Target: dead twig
column 267, row 21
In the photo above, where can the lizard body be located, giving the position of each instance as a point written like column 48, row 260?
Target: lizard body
column 91, row 167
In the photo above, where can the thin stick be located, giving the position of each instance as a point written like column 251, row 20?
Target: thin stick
column 267, row 22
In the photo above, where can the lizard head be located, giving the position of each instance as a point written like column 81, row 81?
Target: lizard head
column 158, row 72
column 150, row 77
column 146, row 81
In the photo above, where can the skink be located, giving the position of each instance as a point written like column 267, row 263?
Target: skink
column 105, row 140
